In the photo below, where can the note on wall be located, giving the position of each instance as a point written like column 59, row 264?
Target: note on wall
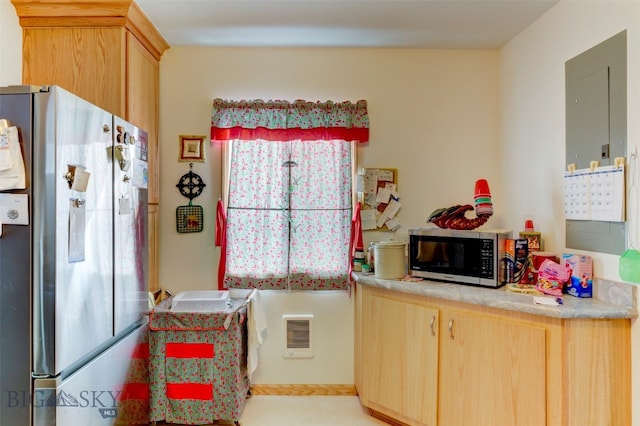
column 597, row 194
column 377, row 190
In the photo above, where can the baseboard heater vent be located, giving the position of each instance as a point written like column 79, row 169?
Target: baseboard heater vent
column 297, row 336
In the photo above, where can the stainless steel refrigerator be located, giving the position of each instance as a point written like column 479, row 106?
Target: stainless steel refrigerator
column 73, row 258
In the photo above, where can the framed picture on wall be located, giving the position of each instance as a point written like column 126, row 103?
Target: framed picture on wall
column 191, row 149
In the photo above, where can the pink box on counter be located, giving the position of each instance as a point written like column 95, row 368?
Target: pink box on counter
column 581, row 282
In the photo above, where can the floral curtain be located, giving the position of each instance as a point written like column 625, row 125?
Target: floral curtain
column 287, row 224
column 285, row 121
column 289, row 215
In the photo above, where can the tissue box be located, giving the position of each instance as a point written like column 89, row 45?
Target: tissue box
column 581, row 282
column 200, row 301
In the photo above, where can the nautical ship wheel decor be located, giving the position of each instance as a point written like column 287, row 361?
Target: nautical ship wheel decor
column 190, row 218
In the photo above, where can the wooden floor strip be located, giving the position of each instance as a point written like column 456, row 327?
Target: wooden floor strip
column 304, row 390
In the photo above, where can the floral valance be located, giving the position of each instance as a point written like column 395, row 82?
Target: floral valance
column 284, row 121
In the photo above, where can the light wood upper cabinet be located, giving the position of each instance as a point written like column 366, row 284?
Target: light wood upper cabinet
column 106, row 52
column 84, row 61
column 103, row 51
column 142, row 93
column 154, row 254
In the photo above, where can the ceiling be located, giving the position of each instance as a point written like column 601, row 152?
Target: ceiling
column 434, row 24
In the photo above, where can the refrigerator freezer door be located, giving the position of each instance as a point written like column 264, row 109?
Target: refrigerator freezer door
column 130, row 225
column 15, row 283
column 111, row 389
column 72, row 231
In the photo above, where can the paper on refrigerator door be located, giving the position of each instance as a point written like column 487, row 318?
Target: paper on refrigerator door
column 80, row 179
column 14, row 209
column 12, row 174
column 5, row 151
column 77, row 230
column 140, row 175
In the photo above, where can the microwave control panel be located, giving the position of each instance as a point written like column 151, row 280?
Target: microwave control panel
column 487, row 261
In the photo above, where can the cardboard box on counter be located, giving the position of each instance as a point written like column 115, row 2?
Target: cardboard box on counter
column 581, row 282
column 515, row 259
column 534, row 240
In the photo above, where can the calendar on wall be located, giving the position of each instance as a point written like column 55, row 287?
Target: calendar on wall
column 595, row 194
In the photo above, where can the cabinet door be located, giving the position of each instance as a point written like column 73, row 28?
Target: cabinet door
column 84, row 61
column 142, row 103
column 400, row 359
column 142, row 110
column 357, row 337
column 154, row 221
column 492, row 371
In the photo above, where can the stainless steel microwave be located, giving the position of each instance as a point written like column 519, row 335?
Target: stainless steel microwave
column 465, row 257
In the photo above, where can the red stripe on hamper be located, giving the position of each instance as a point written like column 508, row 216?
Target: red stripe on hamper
column 141, row 351
column 189, row 350
column 135, row 391
column 189, row 391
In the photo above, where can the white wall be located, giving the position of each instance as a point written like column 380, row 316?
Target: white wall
column 10, row 45
column 533, row 126
column 434, row 117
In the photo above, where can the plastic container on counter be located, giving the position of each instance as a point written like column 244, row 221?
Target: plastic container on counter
column 200, row 301
column 371, row 256
column 390, row 259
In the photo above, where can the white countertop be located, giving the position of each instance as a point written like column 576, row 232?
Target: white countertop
column 613, row 300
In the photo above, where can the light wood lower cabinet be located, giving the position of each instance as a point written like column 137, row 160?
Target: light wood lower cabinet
column 491, row 371
column 400, row 358
column 425, row 361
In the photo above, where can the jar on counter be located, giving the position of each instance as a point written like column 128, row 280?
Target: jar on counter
column 390, row 260
column 357, row 265
column 358, row 259
column 371, row 256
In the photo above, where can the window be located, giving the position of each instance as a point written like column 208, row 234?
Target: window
column 289, row 205
column 289, row 215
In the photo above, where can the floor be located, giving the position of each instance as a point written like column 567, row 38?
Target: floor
column 274, row 410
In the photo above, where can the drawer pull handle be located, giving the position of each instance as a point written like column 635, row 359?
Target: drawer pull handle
column 432, row 324
column 451, row 329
